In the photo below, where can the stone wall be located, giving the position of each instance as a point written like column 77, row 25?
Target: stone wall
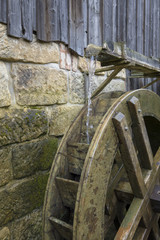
column 41, row 92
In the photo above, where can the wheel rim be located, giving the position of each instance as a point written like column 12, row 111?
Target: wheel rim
column 94, row 212
column 89, row 222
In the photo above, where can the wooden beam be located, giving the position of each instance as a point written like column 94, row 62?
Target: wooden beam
column 65, row 230
column 106, row 82
column 131, row 221
column 129, row 156
column 140, row 133
column 110, row 68
column 151, row 83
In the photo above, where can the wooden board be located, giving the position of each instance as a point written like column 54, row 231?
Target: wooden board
column 95, row 22
column 34, row 19
column 64, row 15
column 48, row 19
column 14, row 18
column 3, row 11
column 76, row 26
column 27, row 19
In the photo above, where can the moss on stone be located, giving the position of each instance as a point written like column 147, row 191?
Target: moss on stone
column 36, row 196
column 22, row 197
column 48, row 153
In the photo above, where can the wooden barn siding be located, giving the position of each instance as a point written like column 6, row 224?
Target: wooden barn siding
column 80, row 22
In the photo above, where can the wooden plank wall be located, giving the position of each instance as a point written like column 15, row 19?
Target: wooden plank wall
column 80, row 22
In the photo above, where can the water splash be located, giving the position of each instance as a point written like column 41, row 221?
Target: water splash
column 91, row 71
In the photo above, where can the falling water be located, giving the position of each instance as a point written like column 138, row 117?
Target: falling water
column 91, row 71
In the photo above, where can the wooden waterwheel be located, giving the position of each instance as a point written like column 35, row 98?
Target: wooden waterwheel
column 109, row 188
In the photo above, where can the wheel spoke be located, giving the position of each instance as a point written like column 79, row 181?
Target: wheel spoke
column 129, row 156
column 131, row 220
column 140, row 133
column 155, row 229
column 140, row 234
column 68, row 191
column 65, row 230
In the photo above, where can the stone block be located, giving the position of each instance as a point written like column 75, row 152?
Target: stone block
column 115, row 85
column 82, row 64
column 62, row 56
column 30, row 157
column 5, row 234
column 68, row 60
column 61, row 118
column 39, row 85
column 21, row 197
column 77, row 91
column 28, row 227
column 74, row 63
column 5, row 165
column 21, row 125
column 5, row 97
column 120, row 75
column 12, row 49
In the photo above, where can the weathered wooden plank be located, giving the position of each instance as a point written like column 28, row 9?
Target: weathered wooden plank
column 151, row 33
column 79, row 27
column 129, row 156
column 68, row 191
column 63, row 25
column 27, row 19
column 107, row 20
column 140, row 25
column 76, row 154
column 72, row 24
column 89, row 131
column 41, row 31
column 155, row 23
column 85, row 16
column 53, row 20
column 146, row 27
column 121, row 23
column 3, row 11
column 131, row 221
column 48, row 18
column 140, row 133
column 76, row 26
column 34, row 24
column 131, row 24
column 158, row 29
column 95, row 22
column 65, row 230
column 14, row 18
column 114, row 20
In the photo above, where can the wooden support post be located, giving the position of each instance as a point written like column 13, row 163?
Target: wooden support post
column 151, row 83
column 107, row 81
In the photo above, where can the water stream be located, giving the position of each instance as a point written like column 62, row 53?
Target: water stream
column 91, row 71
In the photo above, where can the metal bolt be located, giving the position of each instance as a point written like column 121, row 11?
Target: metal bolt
column 139, row 110
column 126, row 128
